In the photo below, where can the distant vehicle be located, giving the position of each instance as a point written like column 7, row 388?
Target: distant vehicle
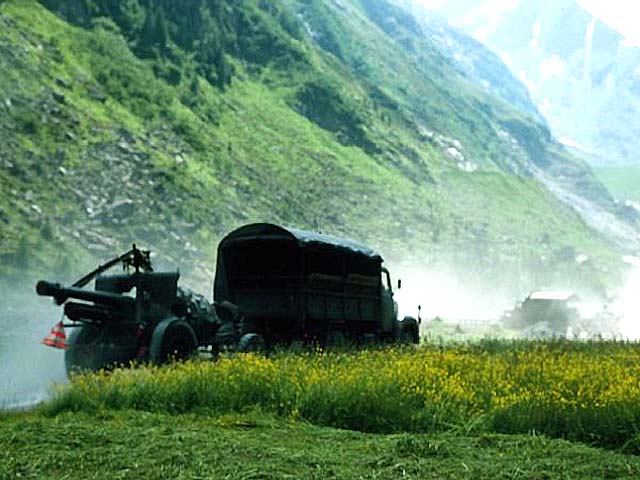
column 139, row 315
column 546, row 313
column 292, row 285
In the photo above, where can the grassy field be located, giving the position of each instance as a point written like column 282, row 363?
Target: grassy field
column 585, row 392
column 494, row 409
column 141, row 445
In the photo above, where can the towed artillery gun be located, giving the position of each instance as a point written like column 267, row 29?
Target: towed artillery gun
column 138, row 315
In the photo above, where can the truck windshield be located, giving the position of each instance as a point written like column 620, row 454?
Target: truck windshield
column 386, row 279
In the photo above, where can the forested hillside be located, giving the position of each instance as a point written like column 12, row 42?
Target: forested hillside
column 169, row 123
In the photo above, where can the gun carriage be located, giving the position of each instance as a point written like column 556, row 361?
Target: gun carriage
column 138, row 315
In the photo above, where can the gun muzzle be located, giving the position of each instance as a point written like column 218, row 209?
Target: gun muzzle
column 47, row 289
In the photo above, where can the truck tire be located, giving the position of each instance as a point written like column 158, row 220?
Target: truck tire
column 172, row 340
column 251, row 343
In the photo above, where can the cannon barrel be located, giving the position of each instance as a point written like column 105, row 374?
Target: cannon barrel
column 94, row 313
column 61, row 294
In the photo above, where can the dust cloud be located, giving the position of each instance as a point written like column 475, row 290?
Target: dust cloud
column 626, row 305
column 448, row 296
column 28, row 369
column 459, row 299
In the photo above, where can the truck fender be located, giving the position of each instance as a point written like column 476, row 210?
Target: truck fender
column 251, row 343
column 226, row 310
column 407, row 330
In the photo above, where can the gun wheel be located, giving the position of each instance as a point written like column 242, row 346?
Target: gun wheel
column 91, row 348
column 172, row 340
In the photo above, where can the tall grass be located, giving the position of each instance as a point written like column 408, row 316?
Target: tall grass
column 586, row 392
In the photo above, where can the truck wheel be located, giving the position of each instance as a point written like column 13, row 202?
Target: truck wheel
column 251, row 342
column 172, row 339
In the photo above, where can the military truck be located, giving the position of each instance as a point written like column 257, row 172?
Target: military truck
column 544, row 313
column 291, row 285
column 138, row 315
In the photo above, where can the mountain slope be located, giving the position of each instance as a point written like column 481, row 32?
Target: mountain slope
column 582, row 74
column 124, row 128
column 524, row 145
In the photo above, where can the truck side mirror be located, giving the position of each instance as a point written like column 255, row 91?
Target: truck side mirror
column 399, row 283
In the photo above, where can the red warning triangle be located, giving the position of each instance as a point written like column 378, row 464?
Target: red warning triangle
column 56, row 338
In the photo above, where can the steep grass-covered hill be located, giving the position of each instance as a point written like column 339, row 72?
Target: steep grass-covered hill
column 169, row 123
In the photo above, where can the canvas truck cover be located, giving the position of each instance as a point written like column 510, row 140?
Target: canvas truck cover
column 270, row 232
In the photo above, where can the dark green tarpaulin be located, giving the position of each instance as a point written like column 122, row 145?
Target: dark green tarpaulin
column 303, row 238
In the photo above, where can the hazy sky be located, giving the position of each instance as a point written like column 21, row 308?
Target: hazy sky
column 622, row 15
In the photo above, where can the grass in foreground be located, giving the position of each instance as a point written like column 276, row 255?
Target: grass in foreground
column 140, row 445
column 583, row 392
